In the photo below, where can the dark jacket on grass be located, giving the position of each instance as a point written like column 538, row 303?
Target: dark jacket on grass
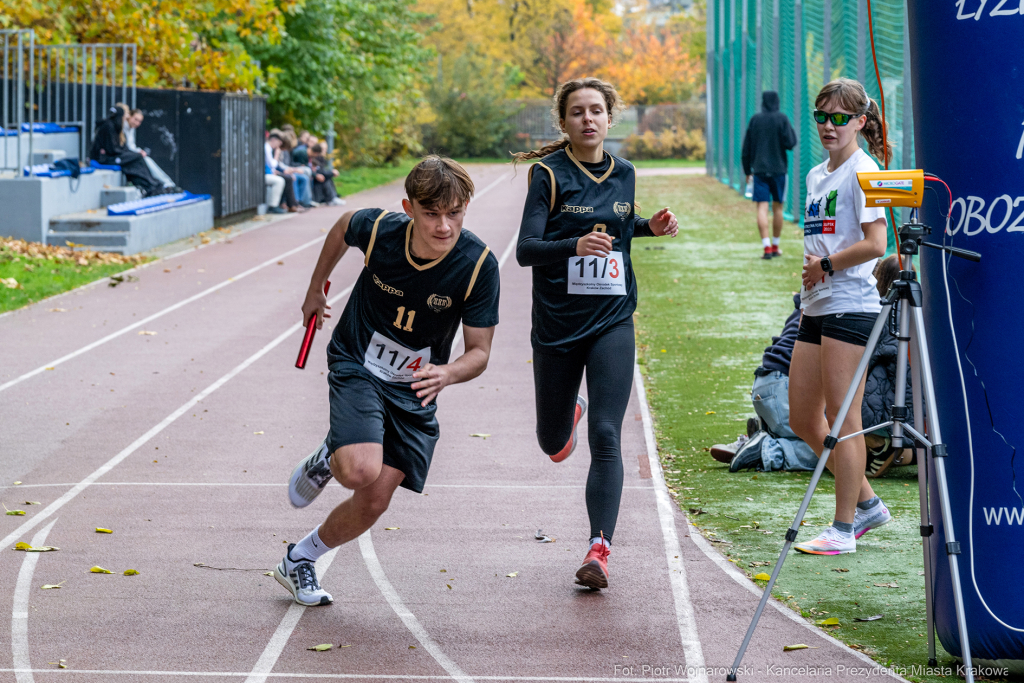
column 769, row 135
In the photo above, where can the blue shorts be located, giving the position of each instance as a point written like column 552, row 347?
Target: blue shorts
column 769, row 188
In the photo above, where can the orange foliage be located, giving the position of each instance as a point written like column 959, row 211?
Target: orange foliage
column 652, row 66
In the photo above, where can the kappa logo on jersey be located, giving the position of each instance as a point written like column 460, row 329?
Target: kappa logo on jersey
column 387, row 288
column 622, row 209
column 438, row 303
column 577, row 209
column 814, row 222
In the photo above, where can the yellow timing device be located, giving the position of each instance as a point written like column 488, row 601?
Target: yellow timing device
column 893, row 188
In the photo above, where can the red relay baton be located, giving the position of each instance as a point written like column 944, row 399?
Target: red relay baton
column 307, row 340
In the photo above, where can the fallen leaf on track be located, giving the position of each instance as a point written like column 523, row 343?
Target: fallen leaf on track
column 512, row 575
column 257, row 433
column 147, row 332
column 392, row 528
column 801, row 646
column 268, row 573
column 32, row 502
column 131, row 572
column 21, row 545
column 101, row 530
column 481, row 436
column 321, row 648
column 16, row 512
column 542, row 537
column 100, row 570
column 50, row 586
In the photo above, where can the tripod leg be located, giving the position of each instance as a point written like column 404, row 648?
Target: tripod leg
column 830, row 443
column 922, row 491
column 939, row 461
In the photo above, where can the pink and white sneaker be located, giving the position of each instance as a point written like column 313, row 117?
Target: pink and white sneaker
column 831, row 541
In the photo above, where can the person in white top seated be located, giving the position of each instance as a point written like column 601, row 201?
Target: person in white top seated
column 843, row 239
column 131, row 122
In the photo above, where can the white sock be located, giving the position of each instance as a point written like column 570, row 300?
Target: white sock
column 775, row 241
column 766, row 241
column 310, row 548
column 598, row 539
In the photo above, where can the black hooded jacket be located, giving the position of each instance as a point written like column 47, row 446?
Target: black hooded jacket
column 769, row 135
column 106, row 143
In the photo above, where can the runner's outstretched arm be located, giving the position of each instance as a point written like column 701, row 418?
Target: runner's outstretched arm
column 433, row 378
column 334, row 248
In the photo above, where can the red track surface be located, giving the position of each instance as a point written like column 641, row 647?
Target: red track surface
column 182, row 441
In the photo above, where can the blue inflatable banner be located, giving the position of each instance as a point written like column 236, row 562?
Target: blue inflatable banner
column 968, row 98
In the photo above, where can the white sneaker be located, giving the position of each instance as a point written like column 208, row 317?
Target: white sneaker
column 831, row 541
column 299, row 577
column 726, row 452
column 872, row 518
column 337, row 201
column 310, row 477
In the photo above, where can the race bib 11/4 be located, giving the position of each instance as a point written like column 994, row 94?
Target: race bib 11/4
column 821, row 290
column 597, row 275
column 391, row 361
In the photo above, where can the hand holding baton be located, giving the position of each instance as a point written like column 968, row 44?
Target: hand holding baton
column 307, row 340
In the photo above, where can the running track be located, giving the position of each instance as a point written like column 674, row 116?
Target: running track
column 181, row 441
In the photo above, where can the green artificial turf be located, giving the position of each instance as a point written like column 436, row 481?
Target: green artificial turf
column 708, row 307
column 40, row 278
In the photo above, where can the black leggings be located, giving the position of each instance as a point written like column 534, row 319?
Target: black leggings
column 608, row 359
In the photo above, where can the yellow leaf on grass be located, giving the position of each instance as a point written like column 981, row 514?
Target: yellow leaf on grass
column 101, row 530
column 100, row 570
column 801, row 646
column 131, row 572
column 762, row 577
column 392, row 528
column 831, row 621
column 321, row 648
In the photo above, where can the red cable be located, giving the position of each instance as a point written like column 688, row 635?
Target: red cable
column 937, row 179
column 885, row 135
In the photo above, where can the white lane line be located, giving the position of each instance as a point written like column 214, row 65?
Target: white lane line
column 673, row 553
column 158, row 314
column 265, row 664
column 141, row 441
column 739, row 577
column 19, row 612
column 407, row 617
column 355, row 677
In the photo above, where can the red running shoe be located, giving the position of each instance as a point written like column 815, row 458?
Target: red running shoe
column 594, row 572
column 581, row 408
column 775, row 251
column 767, row 254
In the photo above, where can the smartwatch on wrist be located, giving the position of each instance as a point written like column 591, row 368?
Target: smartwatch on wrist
column 826, row 265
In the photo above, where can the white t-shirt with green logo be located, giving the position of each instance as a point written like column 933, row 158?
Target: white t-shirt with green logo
column 833, row 214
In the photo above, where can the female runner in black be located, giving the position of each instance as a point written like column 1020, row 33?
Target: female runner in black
column 578, row 223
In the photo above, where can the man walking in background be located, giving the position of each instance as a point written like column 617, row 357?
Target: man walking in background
column 769, row 135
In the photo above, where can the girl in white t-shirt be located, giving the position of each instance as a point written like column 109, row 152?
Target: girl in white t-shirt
column 842, row 241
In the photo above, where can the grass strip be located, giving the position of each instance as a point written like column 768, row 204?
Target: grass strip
column 30, row 271
column 708, row 307
column 358, row 179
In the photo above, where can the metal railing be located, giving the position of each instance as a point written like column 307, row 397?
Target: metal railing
column 67, row 85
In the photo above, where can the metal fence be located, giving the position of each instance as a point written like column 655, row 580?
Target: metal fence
column 68, row 85
column 794, row 47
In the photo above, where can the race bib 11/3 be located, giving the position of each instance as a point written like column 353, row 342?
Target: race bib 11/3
column 391, row 361
column 597, row 275
column 821, row 290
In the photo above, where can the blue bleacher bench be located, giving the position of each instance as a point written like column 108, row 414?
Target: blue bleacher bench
column 160, row 202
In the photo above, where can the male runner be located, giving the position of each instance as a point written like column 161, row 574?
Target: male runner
column 388, row 357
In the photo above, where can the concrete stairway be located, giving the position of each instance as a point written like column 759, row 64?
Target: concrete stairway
column 130, row 234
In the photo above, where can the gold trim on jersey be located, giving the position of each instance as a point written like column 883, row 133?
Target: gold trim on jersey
column 611, row 167
column 408, row 253
column 373, row 238
column 529, row 179
column 476, row 271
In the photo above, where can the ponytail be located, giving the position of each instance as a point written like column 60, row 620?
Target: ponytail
column 874, row 132
column 547, row 149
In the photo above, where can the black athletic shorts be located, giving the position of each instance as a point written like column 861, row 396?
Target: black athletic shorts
column 852, row 328
column 365, row 409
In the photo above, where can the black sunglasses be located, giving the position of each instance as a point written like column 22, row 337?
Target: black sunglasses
column 838, row 118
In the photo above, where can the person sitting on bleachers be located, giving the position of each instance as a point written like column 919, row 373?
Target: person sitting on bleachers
column 273, row 167
column 324, row 191
column 131, row 123
column 108, row 147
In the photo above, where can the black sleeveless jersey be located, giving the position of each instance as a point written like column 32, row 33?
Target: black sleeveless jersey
column 581, row 202
column 400, row 305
